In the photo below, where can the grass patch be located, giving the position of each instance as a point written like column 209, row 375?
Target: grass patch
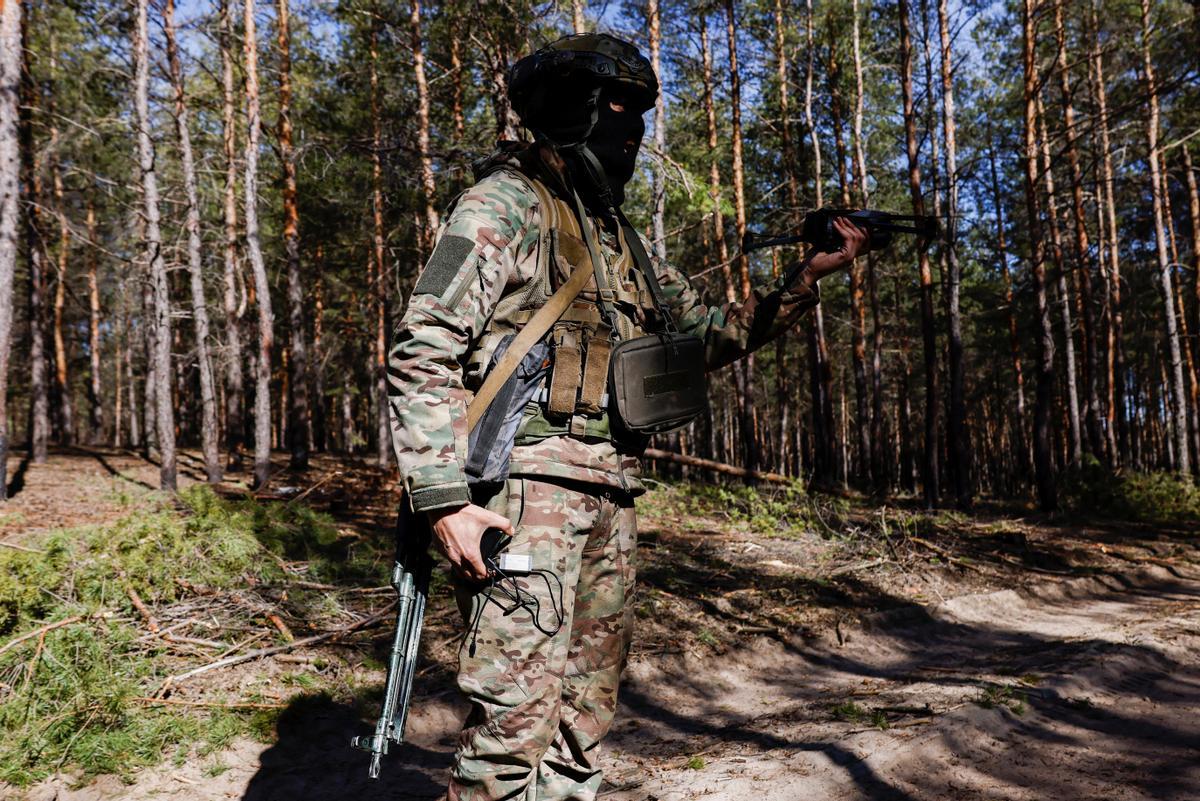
column 851, row 712
column 1092, row 491
column 67, row 697
column 994, row 696
column 766, row 509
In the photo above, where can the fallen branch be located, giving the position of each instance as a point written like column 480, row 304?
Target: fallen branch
column 277, row 621
column 279, row 649
column 859, row 566
column 207, row 704
column 24, row 548
column 316, row 585
column 942, row 552
column 716, row 467
column 325, row 480
column 39, row 632
column 140, row 606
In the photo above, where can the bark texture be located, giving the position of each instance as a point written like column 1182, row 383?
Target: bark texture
column 960, row 454
column 1042, row 454
column 930, row 464
column 298, row 411
column 262, row 288
column 235, row 426
column 195, row 263
column 10, row 177
column 1175, row 353
column 164, row 416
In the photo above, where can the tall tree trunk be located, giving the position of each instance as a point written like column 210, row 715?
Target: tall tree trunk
column 62, row 381
column 10, row 187
column 960, row 453
column 858, row 352
column 1189, row 177
column 1185, row 340
column 119, row 346
column 95, row 395
column 714, row 192
column 164, row 412
column 1115, row 361
column 820, row 369
column 930, row 460
column 320, row 416
column 61, row 395
column 39, row 402
column 150, row 384
column 714, row 172
column 507, row 122
column 744, row 374
column 1042, row 455
column 1022, row 461
column 782, row 389
column 1108, row 250
column 298, row 412
column 234, row 377
column 739, row 174
column 428, row 188
column 456, row 89
column 1178, row 391
column 908, row 478
column 1095, row 436
column 1064, row 293
column 578, row 21
column 383, row 425
column 209, row 435
column 874, row 435
column 262, row 287
column 658, row 188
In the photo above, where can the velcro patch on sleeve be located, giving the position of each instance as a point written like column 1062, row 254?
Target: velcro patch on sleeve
column 447, row 260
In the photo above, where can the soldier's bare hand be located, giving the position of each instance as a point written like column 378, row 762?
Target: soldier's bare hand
column 457, row 532
column 854, row 243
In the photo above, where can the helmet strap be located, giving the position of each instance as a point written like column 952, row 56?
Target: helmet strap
column 586, row 166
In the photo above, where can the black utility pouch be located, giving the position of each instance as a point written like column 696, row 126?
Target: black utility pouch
column 657, row 382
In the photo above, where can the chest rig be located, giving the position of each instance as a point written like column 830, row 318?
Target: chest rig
column 615, row 304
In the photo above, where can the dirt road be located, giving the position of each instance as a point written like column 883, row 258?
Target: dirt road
column 1072, row 689
column 1088, row 689
column 1068, row 687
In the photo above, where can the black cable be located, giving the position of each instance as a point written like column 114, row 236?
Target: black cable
column 520, row 599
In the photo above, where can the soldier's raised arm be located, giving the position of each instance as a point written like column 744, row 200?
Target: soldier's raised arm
column 451, row 303
column 733, row 329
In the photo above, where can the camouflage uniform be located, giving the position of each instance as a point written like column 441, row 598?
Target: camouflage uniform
column 540, row 704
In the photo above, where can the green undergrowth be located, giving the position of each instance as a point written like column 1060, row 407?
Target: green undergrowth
column 1093, row 491
column 767, row 509
column 68, row 697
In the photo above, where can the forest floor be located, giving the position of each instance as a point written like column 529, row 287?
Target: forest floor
column 786, row 648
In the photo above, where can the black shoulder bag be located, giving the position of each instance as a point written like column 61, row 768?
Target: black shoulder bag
column 656, row 382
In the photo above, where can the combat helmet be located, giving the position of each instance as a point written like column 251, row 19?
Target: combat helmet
column 555, row 90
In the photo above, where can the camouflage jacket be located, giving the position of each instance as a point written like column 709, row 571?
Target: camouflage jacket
column 483, row 278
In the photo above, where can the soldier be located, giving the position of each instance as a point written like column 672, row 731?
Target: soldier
column 540, row 667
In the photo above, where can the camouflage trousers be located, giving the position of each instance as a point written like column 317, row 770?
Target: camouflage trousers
column 541, row 703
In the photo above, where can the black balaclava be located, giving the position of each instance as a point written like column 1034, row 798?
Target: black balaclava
column 614, row 141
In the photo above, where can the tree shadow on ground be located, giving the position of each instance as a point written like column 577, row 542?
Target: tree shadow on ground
column 1146, row 737
column 17, row 483
column 312, row 760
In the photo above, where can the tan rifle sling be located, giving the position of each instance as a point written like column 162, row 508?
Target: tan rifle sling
column 541, row 322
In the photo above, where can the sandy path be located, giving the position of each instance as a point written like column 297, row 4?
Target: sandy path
column 1095, row 694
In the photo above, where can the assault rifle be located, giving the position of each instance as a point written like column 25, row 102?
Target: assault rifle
column 818, row 231
column 410, row 578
